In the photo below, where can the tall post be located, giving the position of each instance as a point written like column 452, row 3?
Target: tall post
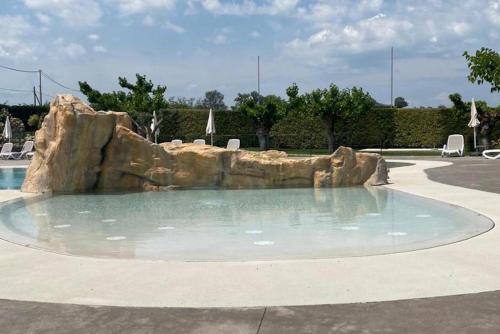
column 475, row 139
column 258, row 75
column 40, row 85
column 392, row 77
column 34, row 95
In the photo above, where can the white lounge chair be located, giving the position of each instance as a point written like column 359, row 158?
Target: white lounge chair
column 199, row 142
column 27, row 148
column 455, row 145
column 233, row 144
column 491, row 154
column 6, row 151
column 177, row 142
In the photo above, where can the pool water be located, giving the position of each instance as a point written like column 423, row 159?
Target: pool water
column 240, row 225
column 12, row 178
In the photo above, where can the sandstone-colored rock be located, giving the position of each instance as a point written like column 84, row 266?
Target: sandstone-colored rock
column 80, row 150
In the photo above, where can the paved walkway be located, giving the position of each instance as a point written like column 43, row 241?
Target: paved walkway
column 474, row 173
column 468, row 172
column 473, row 313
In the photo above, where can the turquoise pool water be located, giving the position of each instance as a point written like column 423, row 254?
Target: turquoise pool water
column 226, row 225
column 12, row 178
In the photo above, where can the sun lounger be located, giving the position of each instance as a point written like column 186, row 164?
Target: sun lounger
column 233, row 144
column 177, row 142
column 199, row 142
column 27, row 148
column 455, row 145
column 6, row 151
column 491, row 154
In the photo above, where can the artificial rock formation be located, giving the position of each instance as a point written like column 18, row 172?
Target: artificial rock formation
column 81, row 150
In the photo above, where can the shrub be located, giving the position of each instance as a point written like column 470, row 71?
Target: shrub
column 190, row 124
column 379, row 127
column 23, row 112
column 34, row 121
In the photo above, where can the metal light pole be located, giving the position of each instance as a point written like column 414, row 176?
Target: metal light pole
column 258, row 75
column 40, row 85
column 392, row 77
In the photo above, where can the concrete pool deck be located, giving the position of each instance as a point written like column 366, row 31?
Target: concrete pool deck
column 29, row 274
column 466, row 267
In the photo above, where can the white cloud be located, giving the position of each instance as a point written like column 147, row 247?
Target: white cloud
column 249, row 7
column 323, row 12
column 14, row 43
column 220, row 39
column 173, row 27
column 492, row 12
column 76, row 13
column 374, row 33
column 93, row 37
column 336, row 28
column 128, row 7
column 255, row 34
column 148, row 21
column 74, row 50
column 100, row 49
column 459, row 28
column 44, row 19
column 71, row 50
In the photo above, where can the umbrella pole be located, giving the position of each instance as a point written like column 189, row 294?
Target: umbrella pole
column 475, row 144
column 212, row 139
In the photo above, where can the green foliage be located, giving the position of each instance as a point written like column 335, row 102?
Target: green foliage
column 400, row 102
column 181, row 102
column 23, row 112
column 263, row 111
column 34, row 121
column 489, row 127
column 298, row 130
column 139, row 101
column 332, row 105
column 420, row 128
column 190, row 124
column 16, row 124
column 213, row 100
column 484, row 66
column 377, row 127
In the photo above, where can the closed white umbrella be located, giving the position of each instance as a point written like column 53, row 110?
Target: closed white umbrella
column 7, row 130
column 474, row 121
column 211, row 127
column 154, row 124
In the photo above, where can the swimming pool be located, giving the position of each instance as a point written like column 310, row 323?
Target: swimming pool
column 238, row 225
column 12, row 178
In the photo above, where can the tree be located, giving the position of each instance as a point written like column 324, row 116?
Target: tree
column 213, row 100
column 489, row 118
column 34, row 121
column 400, row 102
column 264, row 112
column 333, row 104
column 139, row 101
column 484, row 66
column 181, row 102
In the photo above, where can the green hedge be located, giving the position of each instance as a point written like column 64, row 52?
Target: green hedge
column 23, row 112
column 190, row 124
column 379, row 127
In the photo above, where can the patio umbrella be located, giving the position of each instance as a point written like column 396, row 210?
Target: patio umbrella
column 7, row 130
column 154, row 124
column 211, row 127
column 474, row 122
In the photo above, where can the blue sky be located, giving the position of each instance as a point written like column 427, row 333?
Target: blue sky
column 197, row 45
